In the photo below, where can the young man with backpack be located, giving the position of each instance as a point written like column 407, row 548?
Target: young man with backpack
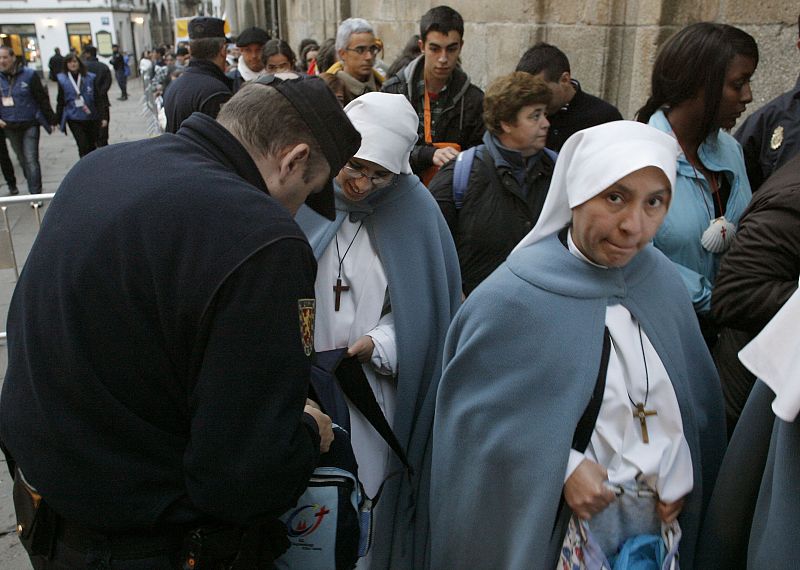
column 492, row 195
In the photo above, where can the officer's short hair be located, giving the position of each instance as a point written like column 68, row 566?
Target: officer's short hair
column 544, row 57
column 349, row 27
column 205, row 48
column 90, row 50
column 266, row 122
column 508, row 94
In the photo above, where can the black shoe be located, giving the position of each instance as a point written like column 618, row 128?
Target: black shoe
column 123, row 98
column 13, row 191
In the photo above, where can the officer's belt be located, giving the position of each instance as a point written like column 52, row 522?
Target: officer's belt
column 123, row 546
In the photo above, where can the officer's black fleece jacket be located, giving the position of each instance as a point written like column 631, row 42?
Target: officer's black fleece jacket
column 157, row 370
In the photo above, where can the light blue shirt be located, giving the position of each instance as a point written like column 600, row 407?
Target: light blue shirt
column 692, row 209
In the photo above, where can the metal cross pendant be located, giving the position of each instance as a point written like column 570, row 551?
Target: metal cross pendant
column 338, row 288
column 642, row 414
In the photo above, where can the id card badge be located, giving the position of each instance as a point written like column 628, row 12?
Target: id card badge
column 8, row 101
column 78, row 101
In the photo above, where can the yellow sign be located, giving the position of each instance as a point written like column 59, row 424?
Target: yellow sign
column 182, row 29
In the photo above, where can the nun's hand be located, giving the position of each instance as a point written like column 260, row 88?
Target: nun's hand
column 585, row 492
column 362, row 348
column 668, row 512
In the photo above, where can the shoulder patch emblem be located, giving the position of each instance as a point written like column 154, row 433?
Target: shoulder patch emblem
column 307, row 312
column 777, row 138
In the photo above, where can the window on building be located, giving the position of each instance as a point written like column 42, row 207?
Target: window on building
column 22, row 39
column 79, row 36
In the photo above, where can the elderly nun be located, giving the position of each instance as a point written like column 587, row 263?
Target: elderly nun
column 579, row 415
column 388, row 284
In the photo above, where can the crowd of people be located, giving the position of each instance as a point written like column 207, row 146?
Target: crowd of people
column 576, row 331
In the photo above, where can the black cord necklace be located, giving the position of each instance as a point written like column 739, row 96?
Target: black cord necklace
column 339, row 288
column 639, row 410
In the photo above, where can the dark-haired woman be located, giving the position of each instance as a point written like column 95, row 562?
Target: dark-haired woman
column 278, row 57
column 700, row 87
column 77, row 105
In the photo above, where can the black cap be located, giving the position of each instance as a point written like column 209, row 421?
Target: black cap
column 320, row 110
column 203, row 27
column 252, row 36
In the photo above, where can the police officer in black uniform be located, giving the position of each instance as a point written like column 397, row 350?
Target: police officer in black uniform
column 770, row 137
column 160, row 340
column 203, row 86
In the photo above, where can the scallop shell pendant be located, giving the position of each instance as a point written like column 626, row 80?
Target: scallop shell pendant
column 718, row 236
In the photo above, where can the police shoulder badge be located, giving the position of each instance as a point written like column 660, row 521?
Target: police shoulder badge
column 307, row 311
column 777, row 138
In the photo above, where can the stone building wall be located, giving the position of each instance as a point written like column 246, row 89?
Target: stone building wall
column 611, row 44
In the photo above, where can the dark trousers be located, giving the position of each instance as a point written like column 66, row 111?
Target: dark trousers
column 5, row 162
column 99, row 558
column 102, row 135
column 122, row 80
column 85, row 133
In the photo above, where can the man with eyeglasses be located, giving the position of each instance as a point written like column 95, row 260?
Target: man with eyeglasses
column 357, row 50
column 450, row 108
column 387, row 287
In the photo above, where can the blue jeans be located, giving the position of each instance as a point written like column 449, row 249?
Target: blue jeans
column 25, row 143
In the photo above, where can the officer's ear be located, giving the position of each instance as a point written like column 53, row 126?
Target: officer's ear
column 294, row 161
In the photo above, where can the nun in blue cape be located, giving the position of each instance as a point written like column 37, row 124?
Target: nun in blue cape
column 388, row 285
column 584, row 297
column 753, row 517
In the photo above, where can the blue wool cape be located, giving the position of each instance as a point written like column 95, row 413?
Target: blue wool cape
column 752, row 520
column 421, row 265
column 520, row 365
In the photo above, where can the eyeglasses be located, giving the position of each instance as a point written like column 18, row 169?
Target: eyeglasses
column 275, row 68
column 361, row 50
column 377, row 181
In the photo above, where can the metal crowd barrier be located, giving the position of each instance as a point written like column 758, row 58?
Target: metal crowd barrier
column 8, row 252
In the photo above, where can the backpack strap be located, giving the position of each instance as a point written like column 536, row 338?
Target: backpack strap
column 461, row 173
column 585, row 427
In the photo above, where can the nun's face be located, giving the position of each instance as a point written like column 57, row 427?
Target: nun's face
column 612, row 227
column 359, row 178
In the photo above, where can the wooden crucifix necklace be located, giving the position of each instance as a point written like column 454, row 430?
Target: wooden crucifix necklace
column 339, row 288
column 640, row 410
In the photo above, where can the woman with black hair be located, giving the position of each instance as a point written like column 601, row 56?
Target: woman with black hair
column 700, row 87
column 78, row 105
column 278, row 56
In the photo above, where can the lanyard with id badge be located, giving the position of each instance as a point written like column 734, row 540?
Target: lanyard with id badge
column 79, row 103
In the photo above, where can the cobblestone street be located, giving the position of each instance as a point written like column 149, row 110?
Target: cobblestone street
column 57, row 153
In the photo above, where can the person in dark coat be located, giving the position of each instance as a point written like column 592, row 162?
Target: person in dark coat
column 771, row 136
column 203, row 86
column 102, row 84
column 454, row 104
column 119, row 64
column 571, row 108
column 175, row 396
column 756, row 277
column 55, row 64
column 508, row 181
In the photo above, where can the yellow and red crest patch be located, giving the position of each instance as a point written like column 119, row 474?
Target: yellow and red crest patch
column 307, row 309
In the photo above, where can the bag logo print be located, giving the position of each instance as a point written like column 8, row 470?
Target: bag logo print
column 308, row 519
